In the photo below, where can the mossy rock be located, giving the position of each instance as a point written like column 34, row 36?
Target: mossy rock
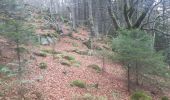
column 95, row 67
column 81, row 52
column 1, row 94
column 164, row 98
column 41, row 54
column 43, row 65
column 66, row 63
column 140, row 95
column 69, row 57
column 78, row 83
column 58, row 56
column 75, row 44
column 77, row 65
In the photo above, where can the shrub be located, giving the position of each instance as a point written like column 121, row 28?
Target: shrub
column 164, row 98
column 140, row 96
column 95, row 67
column 135, row 50
column 78, row 83
column 43, row 65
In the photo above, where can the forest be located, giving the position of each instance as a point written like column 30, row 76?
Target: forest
column 84, row 50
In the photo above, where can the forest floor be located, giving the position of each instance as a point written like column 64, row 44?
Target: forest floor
column 53, row 82
column 56, row 79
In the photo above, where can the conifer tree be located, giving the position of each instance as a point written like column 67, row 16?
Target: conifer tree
column 135, row 50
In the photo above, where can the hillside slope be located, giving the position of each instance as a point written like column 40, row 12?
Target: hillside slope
column 54, row 82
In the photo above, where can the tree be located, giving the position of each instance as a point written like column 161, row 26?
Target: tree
column 16, row 30
column 135, row 50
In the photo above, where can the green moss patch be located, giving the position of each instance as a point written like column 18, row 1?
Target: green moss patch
column 43, row 65
column 75, row 44
column 41, row 54
column 50, row 51
column 69, row 57
column 95, row 67
column 78, row 83
column 140, row 95
column 65, row 63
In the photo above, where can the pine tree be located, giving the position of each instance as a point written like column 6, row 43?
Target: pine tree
column 134, row 48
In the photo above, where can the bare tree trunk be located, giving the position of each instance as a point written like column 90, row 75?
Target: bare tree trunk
column 73, row 15
column 91, row 20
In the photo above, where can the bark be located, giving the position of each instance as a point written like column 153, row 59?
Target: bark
column 128, row 78
column 126, row 15
column 143, row 15
column 112, row 15
column 91, row 20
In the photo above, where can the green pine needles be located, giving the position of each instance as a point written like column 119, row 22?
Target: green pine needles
column 135, row 49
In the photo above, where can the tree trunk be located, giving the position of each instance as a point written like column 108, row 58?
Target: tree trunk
column 128, row 77
column 137, row 74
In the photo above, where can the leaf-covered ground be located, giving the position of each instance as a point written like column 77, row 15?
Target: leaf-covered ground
column 54, row 82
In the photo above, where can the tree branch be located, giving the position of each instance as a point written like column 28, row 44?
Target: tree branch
column 132, row 8
column 126, row 15
column 144, row 13
column 149, row 15
column 152, row 29
column 114, row 20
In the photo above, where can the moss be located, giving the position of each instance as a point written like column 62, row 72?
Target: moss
column 69, row 57
column 50, row 51
column 43, row 65
column 4, row 70
column 95, row 67
column 140, row 95
column 58, row 56
column 21, row 49
column 75, row 44
column 95, row 85
column 77, row 64
column 78, row 83
column 85, row 52
column 41, row 54
column 164, row 98
column 66, row 63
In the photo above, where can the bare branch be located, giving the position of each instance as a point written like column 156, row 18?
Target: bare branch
column 126, row 15
column 157, row 30
column 114, row 20
column 144, row 13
